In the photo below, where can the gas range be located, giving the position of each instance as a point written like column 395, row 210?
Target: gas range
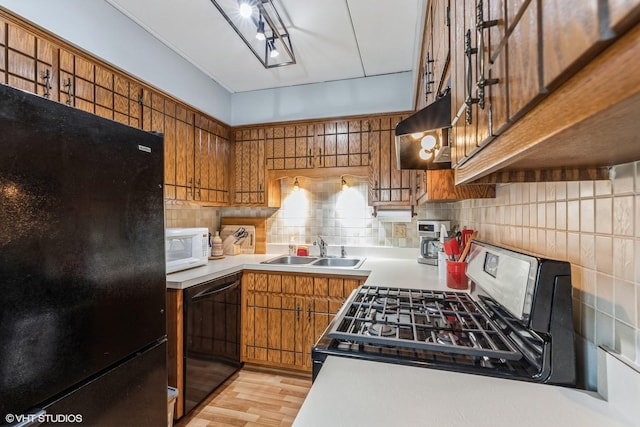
column 515, row 323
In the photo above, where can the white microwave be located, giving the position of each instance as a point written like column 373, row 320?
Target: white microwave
column 186, row 248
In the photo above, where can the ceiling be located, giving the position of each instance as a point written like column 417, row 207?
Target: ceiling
column 332, row 39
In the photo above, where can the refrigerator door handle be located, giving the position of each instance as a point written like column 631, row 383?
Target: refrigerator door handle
column 32, row 419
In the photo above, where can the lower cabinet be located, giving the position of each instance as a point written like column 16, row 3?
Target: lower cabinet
column 284, row 314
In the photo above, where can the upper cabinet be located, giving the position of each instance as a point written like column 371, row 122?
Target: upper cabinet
column 541, row 85
column 434, row 73
column 387, row 184
column 252, row 185
column 197, row 148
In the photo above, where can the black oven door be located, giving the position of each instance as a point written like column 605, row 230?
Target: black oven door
column 212, row 337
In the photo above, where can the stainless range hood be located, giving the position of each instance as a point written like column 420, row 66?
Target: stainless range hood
column 433, row 121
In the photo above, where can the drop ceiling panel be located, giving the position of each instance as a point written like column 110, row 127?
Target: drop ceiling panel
column 332, row 39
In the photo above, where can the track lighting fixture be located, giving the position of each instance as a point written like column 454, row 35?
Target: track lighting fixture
column 260, row 32
column 261, row 28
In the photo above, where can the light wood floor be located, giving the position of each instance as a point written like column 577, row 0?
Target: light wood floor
column 252, row 398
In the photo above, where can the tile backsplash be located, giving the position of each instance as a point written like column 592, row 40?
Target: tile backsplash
column 593, row 224
column 191, row 216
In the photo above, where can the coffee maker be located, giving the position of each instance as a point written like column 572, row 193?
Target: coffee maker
column 429, row 232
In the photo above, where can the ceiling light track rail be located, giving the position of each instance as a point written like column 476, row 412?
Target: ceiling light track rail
column 269, row 43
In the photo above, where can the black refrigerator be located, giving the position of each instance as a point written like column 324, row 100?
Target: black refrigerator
column 82, row 268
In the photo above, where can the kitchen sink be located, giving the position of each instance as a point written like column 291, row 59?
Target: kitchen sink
column 315, row 261
column 291, row 260
column 338, row 262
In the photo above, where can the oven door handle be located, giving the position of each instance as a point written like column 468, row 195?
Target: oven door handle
column 214, row 290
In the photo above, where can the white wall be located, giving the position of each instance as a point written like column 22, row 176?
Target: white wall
column 98, row 28
column 368, row 95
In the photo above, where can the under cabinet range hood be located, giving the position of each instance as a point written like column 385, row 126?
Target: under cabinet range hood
column 422, row 138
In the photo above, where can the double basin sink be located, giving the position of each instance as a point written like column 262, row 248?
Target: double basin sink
column 316, row 261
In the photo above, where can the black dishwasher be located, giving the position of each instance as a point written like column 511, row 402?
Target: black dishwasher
column 212, row 337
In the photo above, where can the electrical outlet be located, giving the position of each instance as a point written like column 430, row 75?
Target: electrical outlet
column 399, row 230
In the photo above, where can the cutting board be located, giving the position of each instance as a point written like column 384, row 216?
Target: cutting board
column 260, row 224
column 246, row 241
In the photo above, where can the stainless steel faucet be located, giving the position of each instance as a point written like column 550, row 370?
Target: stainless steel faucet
column 322, row 245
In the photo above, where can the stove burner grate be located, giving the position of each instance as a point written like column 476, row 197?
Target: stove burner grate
column 422, row 319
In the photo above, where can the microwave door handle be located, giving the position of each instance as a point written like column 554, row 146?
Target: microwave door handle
column 214, row 290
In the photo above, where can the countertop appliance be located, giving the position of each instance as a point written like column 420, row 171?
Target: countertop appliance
column 186, row 248
column 82, row 269
column 429, row 232
column 515, row 323
column 212, row 337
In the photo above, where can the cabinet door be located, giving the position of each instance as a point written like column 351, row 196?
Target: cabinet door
column 122, row 107
column 66, row 85
column 204, row 157
column 275, row 324
column 523, row 72
column 463, row 75
column 440, row 23
column 342, row 143
column 185, row 184
column 27, row 61
column 491, row 83
column 575, row 28
column 255, row 317
column 427, row 78
column 289, row 147
column 83, row 84
column 387, row 184
column 222, row 171
column 104, row 92
column 171, row 155
column 251, row 187
column 3, row 51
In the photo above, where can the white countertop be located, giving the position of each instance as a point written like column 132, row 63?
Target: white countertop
column 350, row 392
column 400, row 272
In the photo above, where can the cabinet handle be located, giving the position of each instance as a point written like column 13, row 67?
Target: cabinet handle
column 320, row 156
column 47, row 83
column 298, row 313
column 199, row 192
column 310, row 157
column 468, row 51
column 428, row 75
column 67, row 86
column 481, row 25
column 309, row 314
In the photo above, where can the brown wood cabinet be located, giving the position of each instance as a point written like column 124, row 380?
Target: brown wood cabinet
column 252, row 187
column 197, row 152
column 387, row 184
column 342, row 143
column 524, row 51
column 433, row 78
column 285, row 313
column 302, row 147
column 289, row 147
column 440, row 185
